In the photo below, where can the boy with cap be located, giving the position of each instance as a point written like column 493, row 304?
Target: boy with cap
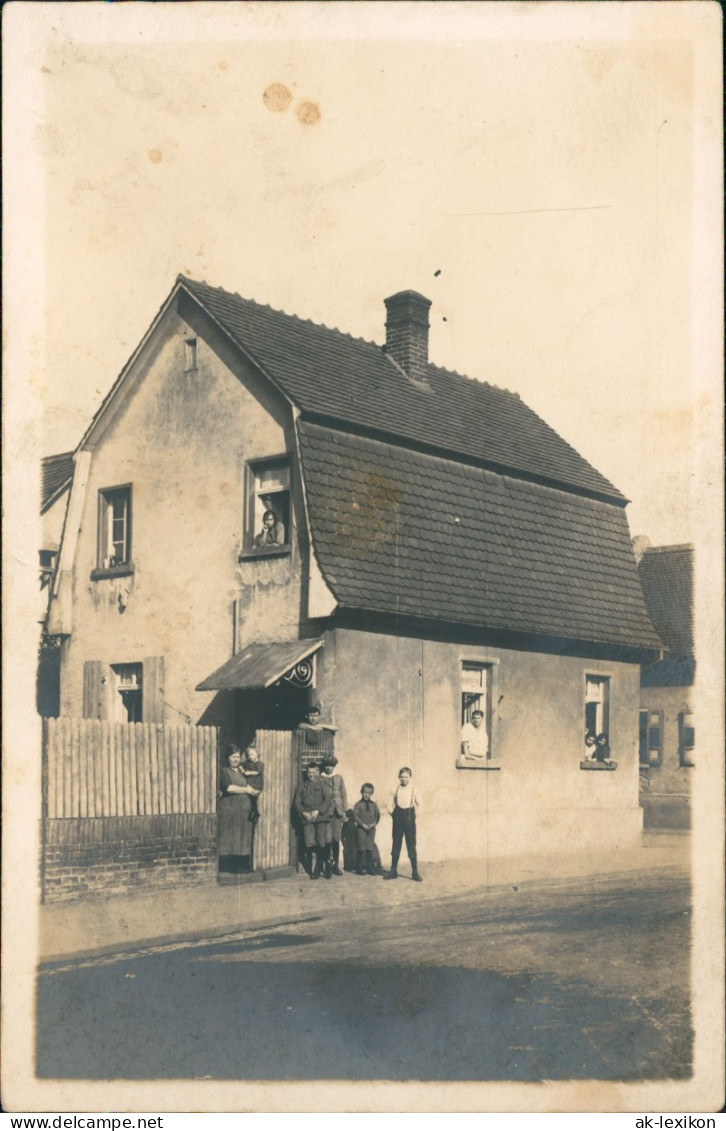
column 403, row 805
column 340, row 808
column 366, row 816
column 313, row 804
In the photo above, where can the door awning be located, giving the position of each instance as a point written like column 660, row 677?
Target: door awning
column 260, row 665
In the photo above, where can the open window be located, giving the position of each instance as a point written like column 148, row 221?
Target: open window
column 114, row 527
column 596, row 740
column 686, row 739
column 269, row 509
column 128, row 701
column 476, row 719
column 650, row 738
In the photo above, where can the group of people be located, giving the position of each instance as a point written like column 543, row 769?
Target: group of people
column 597, row 747
column 321, row 807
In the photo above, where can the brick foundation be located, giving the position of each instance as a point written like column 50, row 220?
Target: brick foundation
column 87, row 857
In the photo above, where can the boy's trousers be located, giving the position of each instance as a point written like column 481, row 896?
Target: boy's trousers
column 404, row 825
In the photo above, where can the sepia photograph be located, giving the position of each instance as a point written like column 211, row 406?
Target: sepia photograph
column 363, row 695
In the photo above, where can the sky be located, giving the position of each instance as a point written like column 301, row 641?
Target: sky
column 532, row 175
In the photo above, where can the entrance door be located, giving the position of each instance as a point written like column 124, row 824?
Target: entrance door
column 274, row 845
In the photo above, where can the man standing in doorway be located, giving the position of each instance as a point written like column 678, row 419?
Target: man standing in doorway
column 404, row 804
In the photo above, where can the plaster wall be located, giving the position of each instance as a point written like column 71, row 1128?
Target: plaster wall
column 396, row 701
column 181, row 439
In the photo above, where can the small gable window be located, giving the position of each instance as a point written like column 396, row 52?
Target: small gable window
column 650, row 738
column 190, row 353
column 114, row 527
column 268, row 507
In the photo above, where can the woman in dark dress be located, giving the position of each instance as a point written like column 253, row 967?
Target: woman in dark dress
column 235, row 830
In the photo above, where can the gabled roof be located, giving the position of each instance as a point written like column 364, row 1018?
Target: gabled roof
column 56, row 476
column 666, row 575
column 406, row 533
column 350, row 381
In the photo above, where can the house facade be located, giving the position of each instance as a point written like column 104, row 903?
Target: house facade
column 433, row 548
column 667, row 687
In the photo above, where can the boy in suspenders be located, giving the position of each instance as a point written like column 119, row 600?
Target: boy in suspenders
column 403, row 805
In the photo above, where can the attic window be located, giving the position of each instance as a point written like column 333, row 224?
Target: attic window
column 114, row 527
column 190, row 354
column 268, row 507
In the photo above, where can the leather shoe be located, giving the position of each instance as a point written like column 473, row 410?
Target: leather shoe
column 392, row 875
column 415, row 876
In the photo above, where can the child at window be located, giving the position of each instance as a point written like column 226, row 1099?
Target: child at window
column 254, row 771
column 272, row 533
column 366, row 816
column 602, row 748
column 590, row 746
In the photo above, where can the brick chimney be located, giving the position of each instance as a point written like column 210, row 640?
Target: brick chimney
column 407, row 332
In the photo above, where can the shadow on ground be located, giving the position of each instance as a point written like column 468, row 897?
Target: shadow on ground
column 215, row 1011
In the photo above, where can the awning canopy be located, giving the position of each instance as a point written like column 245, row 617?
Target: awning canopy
column 260, row 665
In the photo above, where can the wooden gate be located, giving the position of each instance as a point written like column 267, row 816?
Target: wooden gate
column 274, row 834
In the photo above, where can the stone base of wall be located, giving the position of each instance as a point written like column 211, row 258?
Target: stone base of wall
column 666, row 811
column 98, row 857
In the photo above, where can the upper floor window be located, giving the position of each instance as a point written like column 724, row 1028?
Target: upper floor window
column 190, row 353
column 268, row 506
column 476, row 718
column 114, row 527
column 650, row 738
column 686, row 739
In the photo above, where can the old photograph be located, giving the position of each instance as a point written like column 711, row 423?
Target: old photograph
column 363, row 713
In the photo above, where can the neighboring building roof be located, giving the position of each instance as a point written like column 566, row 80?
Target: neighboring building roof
column 329, row 374
column 406, row 533
column 56, row 476
column 666, row 575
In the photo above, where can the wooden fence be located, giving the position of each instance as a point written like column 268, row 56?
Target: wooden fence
column 274, row 844
column 100, row 769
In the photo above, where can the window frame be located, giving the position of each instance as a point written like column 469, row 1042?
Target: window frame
column 104, row 536
column 132, row 686
column 191, row 354
column 606, row 679
column 686, row 752
column 491, row 692
column 650, row 760
column 254, row 492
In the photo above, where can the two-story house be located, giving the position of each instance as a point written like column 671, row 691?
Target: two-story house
column 265, row 510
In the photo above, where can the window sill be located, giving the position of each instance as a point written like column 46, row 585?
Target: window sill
column 598, row 765
column 470, row 764
column 112, row 571
column 272, row 552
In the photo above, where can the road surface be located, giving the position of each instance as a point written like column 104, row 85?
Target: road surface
column 554, row 982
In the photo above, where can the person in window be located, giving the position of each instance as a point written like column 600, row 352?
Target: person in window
column 403, row 805
column 590, row 747
column 474, row 738
column 233, row 812
column 602, row 749
column 272, row 533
